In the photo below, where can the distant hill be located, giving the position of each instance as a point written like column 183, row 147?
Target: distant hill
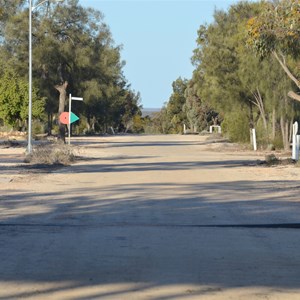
column 149, row 111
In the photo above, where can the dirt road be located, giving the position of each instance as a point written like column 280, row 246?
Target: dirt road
column 150, row 217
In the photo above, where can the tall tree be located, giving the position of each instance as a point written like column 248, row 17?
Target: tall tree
column 218, row 62
column 233, row 79
column 174, row 109
column 73, row 52
column 199, row 114
column 276, row 31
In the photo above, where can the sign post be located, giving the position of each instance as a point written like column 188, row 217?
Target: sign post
column 72, row 115
column 254, row 139
column 295, row 155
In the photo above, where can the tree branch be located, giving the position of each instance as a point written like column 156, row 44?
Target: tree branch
column 294, row 96
column 286, row 70
column 61, row 87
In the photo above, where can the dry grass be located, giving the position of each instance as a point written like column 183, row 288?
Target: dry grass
column 51, row 154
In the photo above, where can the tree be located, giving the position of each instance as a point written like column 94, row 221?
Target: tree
column 232, row 79
column 73, row 52
column 174, row 109
column 276, row 31
column 198, row 113
column 218, row 61
column 14, row 99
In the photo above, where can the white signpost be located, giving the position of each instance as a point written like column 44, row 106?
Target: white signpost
column 254, row 139
column 295, row 142
column 70, row 114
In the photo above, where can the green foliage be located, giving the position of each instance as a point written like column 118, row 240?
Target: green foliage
column 175, row 115
column 235, row 127
column 199, row 114
column 138, row 124
column 229, row 75
column 14, row 99
column 73, row 52
column 276, row 30
column 277, row 27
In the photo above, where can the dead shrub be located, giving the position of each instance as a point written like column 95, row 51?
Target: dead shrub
column 51, row 154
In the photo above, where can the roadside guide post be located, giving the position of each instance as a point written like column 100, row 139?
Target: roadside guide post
column 295, row 142
column 254, row 139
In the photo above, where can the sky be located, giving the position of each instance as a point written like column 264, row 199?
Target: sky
column 158, row 38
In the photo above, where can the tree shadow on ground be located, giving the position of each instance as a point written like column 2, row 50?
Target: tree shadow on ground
column 127, row 166
column 122, row 240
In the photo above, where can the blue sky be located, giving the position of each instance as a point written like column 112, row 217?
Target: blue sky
column 158, row 39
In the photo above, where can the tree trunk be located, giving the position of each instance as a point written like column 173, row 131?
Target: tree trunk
column 260, row 104
column 251, row 117
column 274, row 124
column 49, row 129
column 62, row 89
column 291, row 130
column 284, row 124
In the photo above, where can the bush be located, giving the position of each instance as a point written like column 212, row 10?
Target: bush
column 51, row 154
column 271, row 159
column 236, row 127
column 38, row 127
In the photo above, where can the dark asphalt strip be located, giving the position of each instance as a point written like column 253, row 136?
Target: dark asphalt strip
column 258, row 226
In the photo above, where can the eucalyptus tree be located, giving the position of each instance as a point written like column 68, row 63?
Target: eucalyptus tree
column 73, row 52
column 199, row 114
column 238, row 83
column 217, row 59
column 275, row 34
column 77, row 54
column 276, row 31
column 174, row 110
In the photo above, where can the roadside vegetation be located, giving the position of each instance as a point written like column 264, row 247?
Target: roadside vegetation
column 52, row 154
column 246, row 74
column 73, row 52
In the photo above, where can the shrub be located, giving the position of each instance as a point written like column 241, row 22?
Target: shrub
column 236, row 127
column 51, row 154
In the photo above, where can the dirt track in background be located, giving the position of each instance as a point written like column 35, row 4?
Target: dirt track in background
column 149, row 217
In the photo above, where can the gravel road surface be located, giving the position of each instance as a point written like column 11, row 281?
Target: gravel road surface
column 149, row 218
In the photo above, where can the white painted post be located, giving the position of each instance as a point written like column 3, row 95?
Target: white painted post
column 69, row 133
column 70, row 112
column 184, row 129
column 297, row 147
column 254, row 139
column 210, row 129
column 294, row 141
column 294, row 147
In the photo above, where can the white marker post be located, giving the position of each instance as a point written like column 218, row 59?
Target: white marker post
column 254, row 139
column 297, row 146
column 294, row 142
column 70, row 105
column 211, row 128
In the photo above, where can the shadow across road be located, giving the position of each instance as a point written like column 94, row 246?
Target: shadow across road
column 137, row 239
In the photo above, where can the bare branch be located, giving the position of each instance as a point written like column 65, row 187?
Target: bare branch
column 294, row 96
column 286, row 70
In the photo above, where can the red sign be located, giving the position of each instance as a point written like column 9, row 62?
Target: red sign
column 64, row 118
